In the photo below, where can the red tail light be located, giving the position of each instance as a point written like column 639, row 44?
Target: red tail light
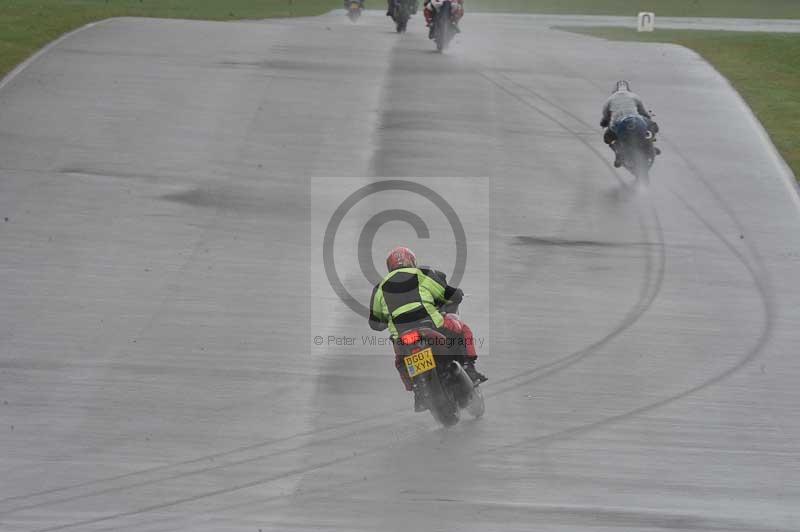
column 410, row 338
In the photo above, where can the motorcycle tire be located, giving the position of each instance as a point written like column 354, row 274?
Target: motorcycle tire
column 443, row 27
column 441, row 404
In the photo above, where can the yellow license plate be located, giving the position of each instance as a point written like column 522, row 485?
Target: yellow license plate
column 420, row 362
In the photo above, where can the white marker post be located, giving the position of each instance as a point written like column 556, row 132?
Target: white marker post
column 647, row 21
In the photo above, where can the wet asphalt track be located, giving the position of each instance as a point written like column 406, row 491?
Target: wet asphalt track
column 156, row 365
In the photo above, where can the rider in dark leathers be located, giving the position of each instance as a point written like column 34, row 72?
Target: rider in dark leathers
column 621, row 105
column 390, row 5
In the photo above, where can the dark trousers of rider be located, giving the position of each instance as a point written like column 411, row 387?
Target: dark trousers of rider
column 609, row 136
column 453, row 326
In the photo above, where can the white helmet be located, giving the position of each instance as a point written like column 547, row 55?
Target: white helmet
column 622, row 86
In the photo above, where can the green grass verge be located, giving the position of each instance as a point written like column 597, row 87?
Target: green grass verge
column 667, row 8
column 27, row 25
column 764, row 68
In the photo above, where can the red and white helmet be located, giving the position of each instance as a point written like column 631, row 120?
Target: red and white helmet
column 400, row 257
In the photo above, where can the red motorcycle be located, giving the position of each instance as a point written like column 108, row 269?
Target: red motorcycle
column 434, row 362
column 445, row 17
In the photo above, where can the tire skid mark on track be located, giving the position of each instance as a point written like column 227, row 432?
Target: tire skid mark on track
column 246, row 485
column 549, row 368
column 647, row 295
column 761, row 283
column 649, row 290
column 201, row 471
column 675, row 520
column 751, row 354
column 201, row 459
column 212, row 218
column 221, row 491
column 306, row 494
column 759, row 278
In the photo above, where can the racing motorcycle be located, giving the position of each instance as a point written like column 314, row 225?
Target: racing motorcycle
column 444, row 22
column 635, row 146
column 353, row 8
column 401, row 12
column 435, row 364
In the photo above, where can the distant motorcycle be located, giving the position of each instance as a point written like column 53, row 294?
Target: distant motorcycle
column 444, row 22
column 435, row 364
column 634, row 144
column 354, row 8
column 401, row 12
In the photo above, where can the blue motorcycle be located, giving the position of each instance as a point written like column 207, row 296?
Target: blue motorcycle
column 634, row 145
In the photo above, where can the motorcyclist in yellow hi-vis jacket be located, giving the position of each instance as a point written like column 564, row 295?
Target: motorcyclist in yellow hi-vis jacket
column 409, row 296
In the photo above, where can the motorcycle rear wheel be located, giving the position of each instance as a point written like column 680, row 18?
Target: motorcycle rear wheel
column 443, row 28
column 442, row 406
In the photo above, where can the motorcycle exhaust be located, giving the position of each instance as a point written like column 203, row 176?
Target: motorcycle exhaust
column 462, row 384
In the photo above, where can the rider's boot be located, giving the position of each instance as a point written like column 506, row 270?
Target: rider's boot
column 657, row 150
column 419, row 401
column 617, row 155
column 474, row 374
